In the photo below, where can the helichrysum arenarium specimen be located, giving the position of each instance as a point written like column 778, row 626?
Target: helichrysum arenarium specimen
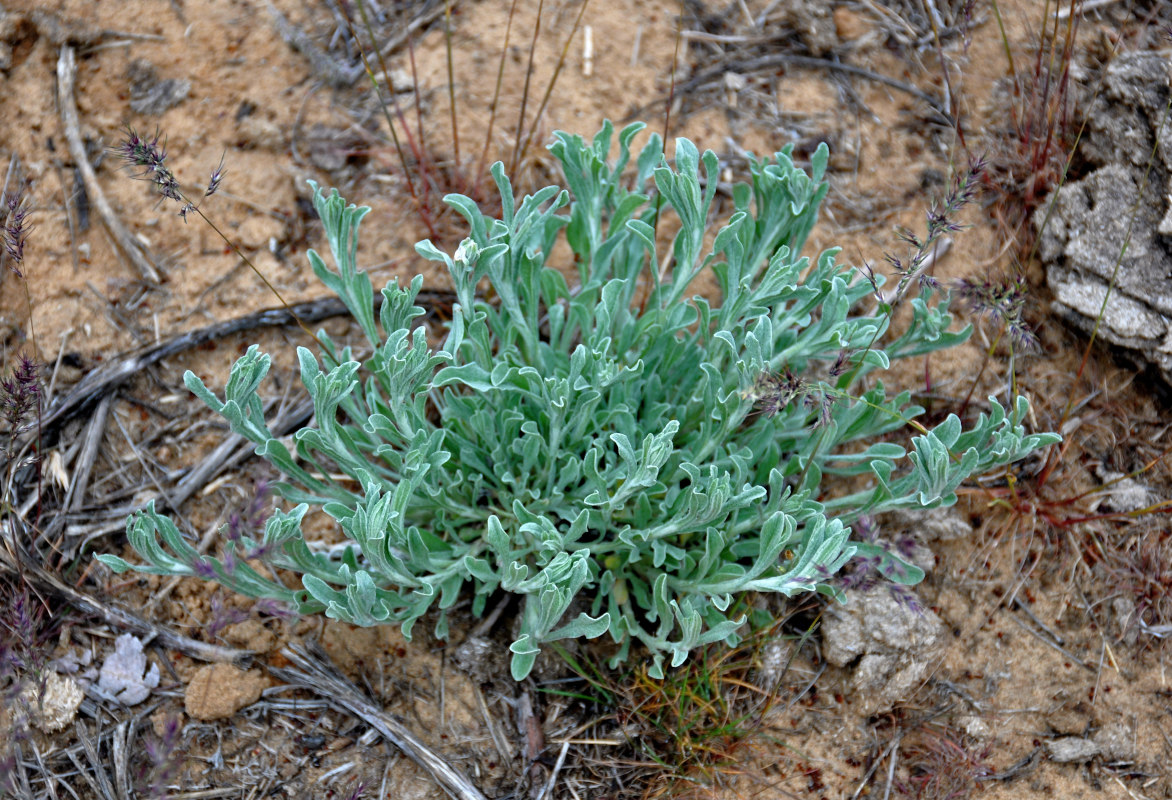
column 600, row 451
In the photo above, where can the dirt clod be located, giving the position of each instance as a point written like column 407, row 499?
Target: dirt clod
column 896, row 643
column 251, row 635
column 219, row 690
column 56, row 708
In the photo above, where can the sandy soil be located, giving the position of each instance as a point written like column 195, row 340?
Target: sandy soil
column 1038, row 648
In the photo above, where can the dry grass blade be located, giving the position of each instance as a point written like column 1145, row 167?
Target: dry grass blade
column 512, row 169
column 557, row 70
column 125, row 242
column 101, row 781
column 496, row 94
column 314, row 672
column 419, row 195
column 75, row 497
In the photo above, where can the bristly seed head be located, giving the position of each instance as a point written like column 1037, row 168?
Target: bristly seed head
column 20, row 395
column 941, row 219
column 776, row 390
column 15, row 229
column 841, row 362
column 217, row 177
column 1001, row 300
column 165, row 761
column 149, row 159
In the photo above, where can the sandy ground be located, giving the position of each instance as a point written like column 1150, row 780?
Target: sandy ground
column 1035, row 648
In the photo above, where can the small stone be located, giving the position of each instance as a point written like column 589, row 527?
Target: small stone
column 975, row 727
column 1121, row 493
column 148, row 94
column 935, row 524
column 400, row 80
column 1072, row 748
column 260, row 133
column 125, row 675
column 218, row 691
column 1067, row 721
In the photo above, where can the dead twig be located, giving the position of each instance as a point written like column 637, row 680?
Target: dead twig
column 67, row 107
column 890, row 749
column 315, row 673
column 1048, row 642
column 102, row 785
column 233, row 450
column 715, row 77
column 120, row 618
column 327, row 68
column 534, row 738
column 1022, row 767
column 557, row 767
column 101, row 380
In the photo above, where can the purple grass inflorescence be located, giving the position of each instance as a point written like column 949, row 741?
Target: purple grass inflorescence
column 864, row 573
column 16, row 229
column 20, row 394
column 776, row 390
column 163, row 753
column 20, row 400
column 1001, row 300
column 941, row 220
column 149, row 158
column 23, row 659
column 241, row 533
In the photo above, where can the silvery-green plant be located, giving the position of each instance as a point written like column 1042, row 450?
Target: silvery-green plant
column 601, row 451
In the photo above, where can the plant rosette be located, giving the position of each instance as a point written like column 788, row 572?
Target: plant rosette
column 627, row 457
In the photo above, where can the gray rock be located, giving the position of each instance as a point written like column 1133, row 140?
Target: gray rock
column 1123, row 493
column 895, row 645
column 1115, row 224
column 125, row 675
column 1072, row 748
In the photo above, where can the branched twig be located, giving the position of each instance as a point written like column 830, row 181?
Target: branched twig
column 326, row 68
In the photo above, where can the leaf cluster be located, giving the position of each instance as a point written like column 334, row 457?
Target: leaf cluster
column 598, row 450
